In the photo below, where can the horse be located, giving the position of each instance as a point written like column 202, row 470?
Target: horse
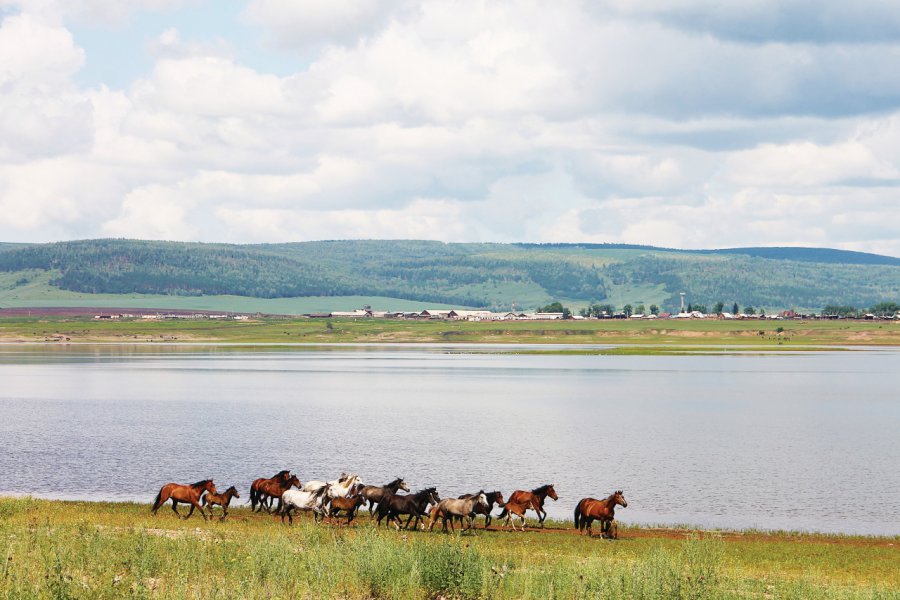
column 303, row 501
column 414, row 505
column 533, row 500
column 604, row 511
column 189, row 494
column 222, row 500
column 514, row 508
column 271, row 490
column 374, row 494
column 452, row 507
column 338, row 488
column 254, row 487
column 492, row 498
column 350, row 505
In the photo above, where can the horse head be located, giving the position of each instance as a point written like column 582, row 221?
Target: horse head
column 620, row 498
column 232, row 491
column 210, row 487
column 283, row 475
column 402, row 485
column 294, row 481
column 552, row 492
column 481, row 499
column 498, row 497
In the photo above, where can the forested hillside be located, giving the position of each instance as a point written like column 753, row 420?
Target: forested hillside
column 477, row 275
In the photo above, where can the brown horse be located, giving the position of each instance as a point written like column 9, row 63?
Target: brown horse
column 189, row 494
column 275, row 490
column 514, row 508
column 604, row 511
column 533, row 500
column 254, row 487
column 349, row 505
column 222, row 500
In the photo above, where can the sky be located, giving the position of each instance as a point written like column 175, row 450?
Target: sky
column 689, row 123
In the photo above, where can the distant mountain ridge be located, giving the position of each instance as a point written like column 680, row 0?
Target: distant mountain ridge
column 801, row 253
column 465, row 274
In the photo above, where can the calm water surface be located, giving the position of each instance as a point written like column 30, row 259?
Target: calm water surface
column 793, row 441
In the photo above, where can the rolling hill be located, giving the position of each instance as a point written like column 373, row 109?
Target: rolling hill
column 162, row 274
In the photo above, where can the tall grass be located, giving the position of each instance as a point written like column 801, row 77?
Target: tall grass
column 61, row 550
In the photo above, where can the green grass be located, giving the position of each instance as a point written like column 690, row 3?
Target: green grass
column 628, row 337
column 103, row 550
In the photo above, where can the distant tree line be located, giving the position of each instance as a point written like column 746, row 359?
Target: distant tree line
column 477, row 275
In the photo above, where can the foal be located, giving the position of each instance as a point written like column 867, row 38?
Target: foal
column 222, row 500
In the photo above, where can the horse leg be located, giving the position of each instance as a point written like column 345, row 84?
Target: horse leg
column 175, row 507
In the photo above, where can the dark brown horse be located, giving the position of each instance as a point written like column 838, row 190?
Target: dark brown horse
column 533, row 500
column 492, row 498
column 375, row 494
column 189, row 494
column 222, row 500
column 254, row 487
column 590, row 509
column 414, row 505
column 274, row 490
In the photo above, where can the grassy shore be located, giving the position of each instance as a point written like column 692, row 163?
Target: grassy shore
column 111, row 550
column 650, row 336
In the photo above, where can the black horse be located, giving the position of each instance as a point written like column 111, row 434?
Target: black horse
column 414, row 505
column 375, row 494
column 492, row 498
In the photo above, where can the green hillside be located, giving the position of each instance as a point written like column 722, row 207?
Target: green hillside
column 110, row 272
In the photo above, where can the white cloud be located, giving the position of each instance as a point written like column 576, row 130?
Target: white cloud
column 42, row 112
column 308, row 23
column 458, row 121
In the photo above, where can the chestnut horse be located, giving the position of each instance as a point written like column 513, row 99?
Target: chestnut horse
column 272, row 490
column 349, row 505
column 533, row 500
column 604, row 511
column 189, row 494
column 255, row 498
column 514, row 508
column 222, row 500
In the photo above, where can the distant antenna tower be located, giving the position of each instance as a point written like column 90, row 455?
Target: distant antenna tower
column 682, row 301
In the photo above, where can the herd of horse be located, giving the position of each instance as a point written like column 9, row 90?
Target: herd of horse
column 283, row 494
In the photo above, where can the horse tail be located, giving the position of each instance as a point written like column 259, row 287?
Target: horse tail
column 254, row 499
column 157, row 502
column 577, row 515
column 505, row 511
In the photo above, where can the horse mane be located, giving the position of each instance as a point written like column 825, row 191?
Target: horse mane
column 542, row 489
column 200, row 483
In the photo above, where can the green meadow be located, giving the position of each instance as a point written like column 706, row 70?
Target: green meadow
column 53, row 549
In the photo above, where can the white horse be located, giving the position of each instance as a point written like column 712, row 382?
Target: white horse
column 338, row 488
column 304, row 501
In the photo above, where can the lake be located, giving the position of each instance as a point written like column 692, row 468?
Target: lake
column 802, row 441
